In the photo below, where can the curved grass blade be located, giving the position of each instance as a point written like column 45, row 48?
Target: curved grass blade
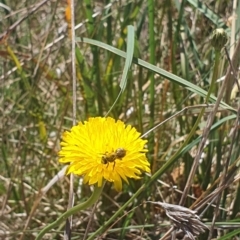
column 128, row 63
column 190, row 86
column 208, row 13
column 129, row 56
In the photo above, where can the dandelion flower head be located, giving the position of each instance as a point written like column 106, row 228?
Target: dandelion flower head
column 102, row 148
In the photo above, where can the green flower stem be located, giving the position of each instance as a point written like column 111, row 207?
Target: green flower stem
column 215, row 74
column 94, row 197
column 110, row 220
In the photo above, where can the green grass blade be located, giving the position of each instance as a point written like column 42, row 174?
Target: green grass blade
column 129, row 56
column 208, row 13
column 190, row 86
column 128, row 63
column 230, row 235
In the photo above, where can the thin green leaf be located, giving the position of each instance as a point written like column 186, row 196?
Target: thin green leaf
column 190, row 86
column 128, row 63
column 230, row 235
column 129, row 57
column 208, row 13
column 214, row 127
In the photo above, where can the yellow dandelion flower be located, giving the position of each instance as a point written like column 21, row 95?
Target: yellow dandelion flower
column 102, row 148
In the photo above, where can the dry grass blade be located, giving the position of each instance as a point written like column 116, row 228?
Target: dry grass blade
column 13, row 26
column 68, row 226
column 209, row 124
column 184, row 218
